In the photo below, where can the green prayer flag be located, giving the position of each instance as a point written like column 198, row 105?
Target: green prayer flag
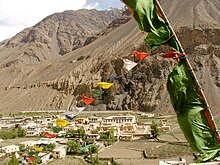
column 97, row 92
column 191, row 115
column 149, row 20
column 56, row 129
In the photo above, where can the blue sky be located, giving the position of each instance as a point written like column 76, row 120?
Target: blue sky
column 16, row 15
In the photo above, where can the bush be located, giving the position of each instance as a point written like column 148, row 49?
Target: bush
column 13, row 160
column 8, row 133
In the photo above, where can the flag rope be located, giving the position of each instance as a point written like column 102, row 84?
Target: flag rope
column 208, row 113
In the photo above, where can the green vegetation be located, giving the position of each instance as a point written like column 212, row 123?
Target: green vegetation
column 12, row 133
column 9, row 133
column 93, row 149
column 155, row 130
column 37, row 160
column 22, row 148
column 20, row 132
column 50, row 147
column 168, row 150
column 95, row 131
column 13, row 160
column 73, row 147
column 80, row 133
column 109, row 136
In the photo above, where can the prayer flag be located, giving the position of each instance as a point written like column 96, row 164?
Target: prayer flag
column 128, row 65
column 61, row 122
column 150, row 20
column 70, row 116
column 80, row 109
column 47, row 134
column 73, row 115
column 56, row 129
column 39, row 149
column 87, row 100
column 140, row 55
column 113, row 78
column 97, row 92
column 192, row 113
column 105, row 85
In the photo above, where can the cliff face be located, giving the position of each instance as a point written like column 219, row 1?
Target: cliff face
column 57, row 83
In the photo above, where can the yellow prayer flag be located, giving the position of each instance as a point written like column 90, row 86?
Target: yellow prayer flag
column 105, row 85
column 61, row 122
column 36, row 148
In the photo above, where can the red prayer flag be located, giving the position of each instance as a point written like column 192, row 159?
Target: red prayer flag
column 140, row 55
column 87, row 100
column 171, row 54
column 46, row 134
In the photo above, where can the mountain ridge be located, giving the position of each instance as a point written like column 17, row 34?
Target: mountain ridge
column 50, row 84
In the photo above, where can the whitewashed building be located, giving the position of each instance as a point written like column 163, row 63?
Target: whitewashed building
column 93, row 136
column 28, row 143
column 10, row 149
column 44, row 156
column 119, row 120
column 59, row 153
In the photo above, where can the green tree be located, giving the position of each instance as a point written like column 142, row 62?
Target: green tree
column 21, row 132
column 22, row 147
column 50, row 147
column 109, row 136
column 73, row 147
column 9, row 133
column 71, row 133
column 81, row 132
column 95, row 160
column 103, row 135
column 155, row 132
column 95, row 131
column 37, row 160
column 92, row 150
column 13, row 160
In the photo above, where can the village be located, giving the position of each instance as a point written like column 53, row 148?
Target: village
column 90, row 134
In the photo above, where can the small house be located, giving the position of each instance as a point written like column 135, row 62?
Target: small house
column 59, row 153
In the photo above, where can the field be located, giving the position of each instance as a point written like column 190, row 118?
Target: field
column 172, row 146
column 131, row 152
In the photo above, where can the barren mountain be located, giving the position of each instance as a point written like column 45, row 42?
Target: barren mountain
column 55, row 36
column 56, row 82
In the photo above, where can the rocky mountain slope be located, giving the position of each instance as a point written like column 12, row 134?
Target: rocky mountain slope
column 53, row 84
column 55, row 36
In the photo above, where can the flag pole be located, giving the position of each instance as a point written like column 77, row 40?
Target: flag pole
column 208, row 113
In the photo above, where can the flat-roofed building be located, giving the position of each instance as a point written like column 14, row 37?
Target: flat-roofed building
column 119, row 119
column 28, row 143
column 93, row 136
column 94, row 119
column 32, row 133
column 10, row 149
column 6, row 120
